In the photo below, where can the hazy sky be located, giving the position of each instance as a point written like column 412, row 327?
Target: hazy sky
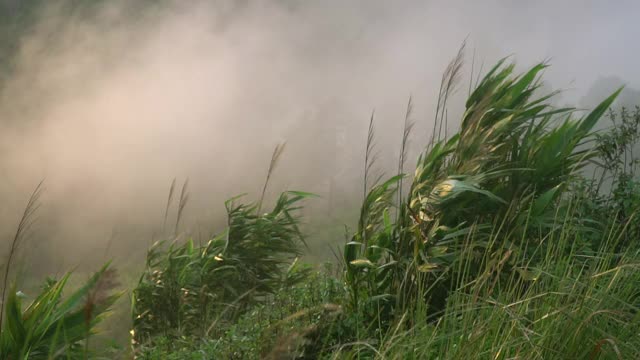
column 109, row 108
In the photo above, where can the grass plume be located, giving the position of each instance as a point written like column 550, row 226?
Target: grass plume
column 184, row 197
column 404, row 144
column 450, row 79
column 277, row 152
column 169, row 198
column 26, row 221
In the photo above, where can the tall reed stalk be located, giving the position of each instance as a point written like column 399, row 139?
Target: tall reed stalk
column 26, row 221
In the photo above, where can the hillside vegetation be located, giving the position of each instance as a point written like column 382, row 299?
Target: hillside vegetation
column 515, row 238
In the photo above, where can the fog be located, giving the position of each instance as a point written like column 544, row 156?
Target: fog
column 111, row 104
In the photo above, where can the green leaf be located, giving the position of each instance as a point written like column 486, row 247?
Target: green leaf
column 590, row 120
column 544, row 200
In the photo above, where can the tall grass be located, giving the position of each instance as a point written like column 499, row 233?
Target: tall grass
column 504, row 172
column 570, row 306
column 495, row 247
column 496, row 250
column 187, row 289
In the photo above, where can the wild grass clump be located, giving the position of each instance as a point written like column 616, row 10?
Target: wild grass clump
column 569, row 307
column 501, row 247
column 504, row 175
column 284, row 325
column 51, row 326
column 197, row 290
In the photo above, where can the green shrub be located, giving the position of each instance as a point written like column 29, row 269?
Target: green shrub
column 198, row 290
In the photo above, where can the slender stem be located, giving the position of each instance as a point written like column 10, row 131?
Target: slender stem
column 272, row 165
column 23, row 225
column 169, row 198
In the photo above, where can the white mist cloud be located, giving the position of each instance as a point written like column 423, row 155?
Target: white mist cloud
column 110, row 106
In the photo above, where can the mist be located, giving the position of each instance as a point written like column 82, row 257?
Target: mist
column 109, row 106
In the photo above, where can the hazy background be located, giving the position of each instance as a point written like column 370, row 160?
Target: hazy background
column 111, row 100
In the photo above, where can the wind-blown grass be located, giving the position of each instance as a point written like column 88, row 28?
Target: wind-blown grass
column 569, row 306
column 187, row 289
column 495, row 251
column 504, row 172
column 53, row 327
